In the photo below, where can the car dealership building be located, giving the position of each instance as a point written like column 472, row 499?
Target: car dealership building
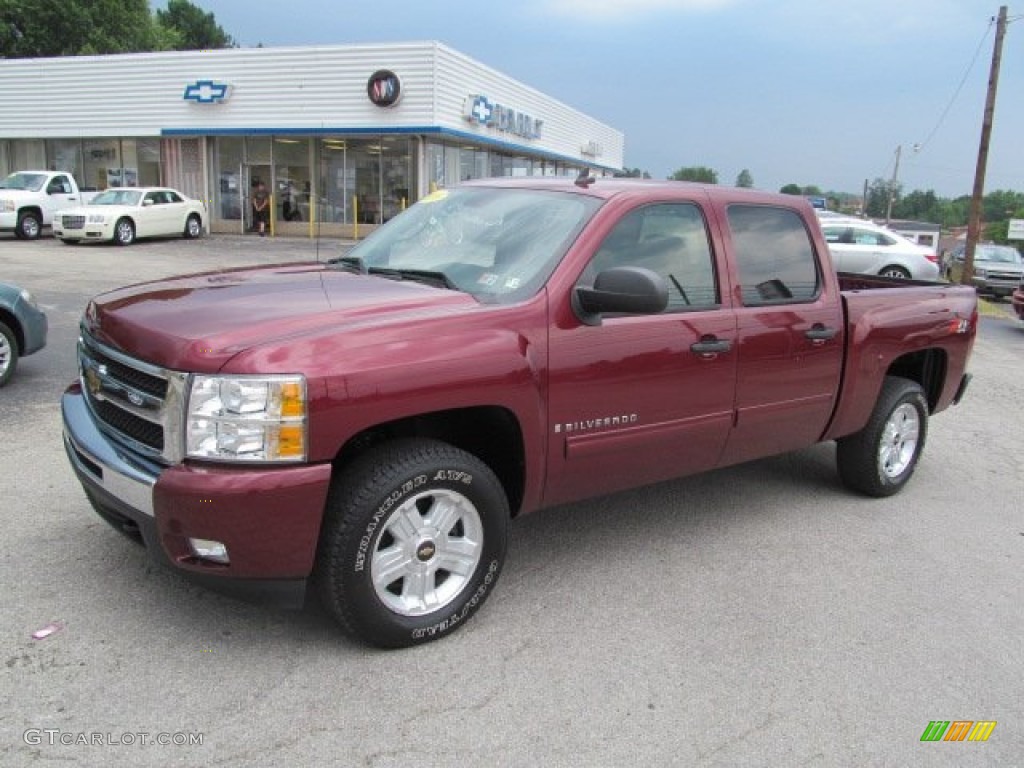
column 343, row 136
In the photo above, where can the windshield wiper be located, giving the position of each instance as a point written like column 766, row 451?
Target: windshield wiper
column 353, row 263
column 430, row 277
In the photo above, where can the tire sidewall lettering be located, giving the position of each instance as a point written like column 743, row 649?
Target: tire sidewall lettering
column 381, row 513
column 446, row 625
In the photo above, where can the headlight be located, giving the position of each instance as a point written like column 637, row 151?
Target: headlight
column 29, row 299
column 247, row 418
column 980, row 273
column 97, row 218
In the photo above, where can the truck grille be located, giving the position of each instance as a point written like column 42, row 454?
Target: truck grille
column 137, row 403
column 73, row 222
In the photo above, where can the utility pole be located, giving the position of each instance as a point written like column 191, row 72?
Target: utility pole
column 892, row 185
column 974, row 220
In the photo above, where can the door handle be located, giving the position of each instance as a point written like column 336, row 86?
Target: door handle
column 710, row 346
column 818, row 333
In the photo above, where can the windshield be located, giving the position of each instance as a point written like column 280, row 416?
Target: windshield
column 117, row 197
column 32, row 182
column 1005, row 254
column 498, row 244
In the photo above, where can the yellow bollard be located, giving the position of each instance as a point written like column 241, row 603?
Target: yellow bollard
column 355, row 217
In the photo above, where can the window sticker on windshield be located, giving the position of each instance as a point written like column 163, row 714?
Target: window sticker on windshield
column 435, row 197
column 487, row 278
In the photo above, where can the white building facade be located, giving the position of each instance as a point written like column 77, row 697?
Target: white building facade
column 342, row 136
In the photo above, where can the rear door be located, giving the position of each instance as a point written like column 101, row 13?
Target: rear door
column 790, row 333
column 642, row 398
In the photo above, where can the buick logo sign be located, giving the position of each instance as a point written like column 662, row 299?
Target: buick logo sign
column 384, row 88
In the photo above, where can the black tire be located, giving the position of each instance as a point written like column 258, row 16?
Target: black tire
column 29, row 226
column 193, row 227
column 880, row 459
column 8, row 353
column 399, row 514
column 894, row 271
column 124, row 232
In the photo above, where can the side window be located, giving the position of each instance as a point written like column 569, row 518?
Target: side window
column 774, row 255
column 59, row 185
column 153, row 198
column 671, row 240
column 173, row 197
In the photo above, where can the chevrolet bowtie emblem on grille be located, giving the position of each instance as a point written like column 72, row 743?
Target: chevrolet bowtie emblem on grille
column 92, row 380
column 206, row 92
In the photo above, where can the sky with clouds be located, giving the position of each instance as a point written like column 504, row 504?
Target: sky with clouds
column 796, row 91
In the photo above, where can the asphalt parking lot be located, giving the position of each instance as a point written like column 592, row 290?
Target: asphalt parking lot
column 759, row 615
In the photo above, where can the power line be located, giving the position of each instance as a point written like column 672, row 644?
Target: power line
column 945, row 112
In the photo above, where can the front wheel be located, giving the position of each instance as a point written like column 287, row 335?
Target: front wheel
column 8, row 354
column 880, row 459
column 124, row 232
column 413, row 542
column 29, row 226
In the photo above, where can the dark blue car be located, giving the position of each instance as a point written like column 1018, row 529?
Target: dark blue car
column 22, row 328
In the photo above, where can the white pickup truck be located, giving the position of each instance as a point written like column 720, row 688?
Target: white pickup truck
column 28, row 200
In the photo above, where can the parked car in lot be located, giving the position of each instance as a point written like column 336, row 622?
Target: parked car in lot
column 998, row 269
column 124, row 214
column 858, row 245
column 1018, row 300
column 28, row 200
column 23, row 328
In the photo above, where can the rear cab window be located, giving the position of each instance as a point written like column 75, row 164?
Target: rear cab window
column 774, row 254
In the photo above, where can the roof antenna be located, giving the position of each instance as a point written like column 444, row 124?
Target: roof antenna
column 585, row 179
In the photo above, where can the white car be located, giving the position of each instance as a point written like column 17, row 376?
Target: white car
column 858, row 245
column 124, row 214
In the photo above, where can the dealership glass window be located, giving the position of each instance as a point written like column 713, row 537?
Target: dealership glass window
column 396, row 175
column 364, row 159
column 147, row 161
column 473, row 163
column 337, row 181
column 65, row 155
column 292, row 182
column 28, row 154
column 101, row 163
column 228, row 195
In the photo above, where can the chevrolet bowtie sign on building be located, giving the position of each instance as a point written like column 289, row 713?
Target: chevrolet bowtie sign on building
column 206, row 92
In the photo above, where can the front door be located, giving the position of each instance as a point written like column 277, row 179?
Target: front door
column 642, row 398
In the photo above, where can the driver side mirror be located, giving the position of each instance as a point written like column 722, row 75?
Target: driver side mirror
column 630, row 290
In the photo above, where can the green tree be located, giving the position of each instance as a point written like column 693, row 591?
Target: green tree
column 633, row 173
column 33, row 28
column 745, row 180
column 193, row 29
column 877, row 203
column 791, row 189
column 696, row 173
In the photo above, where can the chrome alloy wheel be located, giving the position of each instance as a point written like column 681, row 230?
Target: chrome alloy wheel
column 898, row 445
column 427, row 552
column 6, row 354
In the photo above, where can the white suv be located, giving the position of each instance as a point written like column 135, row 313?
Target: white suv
column 858, row 245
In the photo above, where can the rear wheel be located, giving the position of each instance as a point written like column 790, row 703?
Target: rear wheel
column 29, row 227
column 124, row 232
column 880, row 459
column 8, row 353
column 413, row 542
column 193, row 227
column 894, row 271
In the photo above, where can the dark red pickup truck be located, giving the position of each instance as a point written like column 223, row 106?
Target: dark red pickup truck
column 370, row 425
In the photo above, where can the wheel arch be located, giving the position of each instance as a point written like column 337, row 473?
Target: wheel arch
column 927, row 367
column 491, row 433
column 8, row 319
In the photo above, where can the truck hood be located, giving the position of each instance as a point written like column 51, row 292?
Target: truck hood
column 198, row 322
column 17, row 194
